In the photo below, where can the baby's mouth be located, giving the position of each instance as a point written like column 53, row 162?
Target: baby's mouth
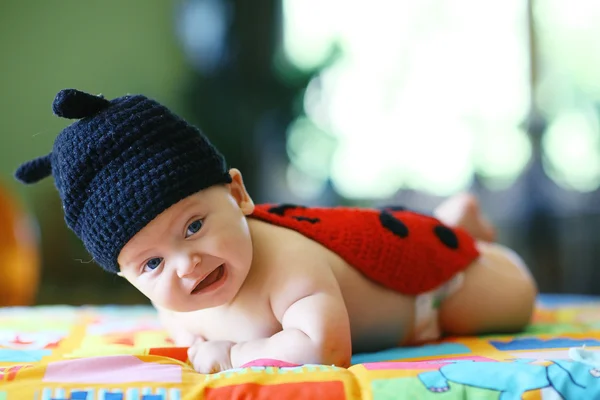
column 210, row 279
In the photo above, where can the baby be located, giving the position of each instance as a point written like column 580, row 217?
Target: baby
column 153, row 202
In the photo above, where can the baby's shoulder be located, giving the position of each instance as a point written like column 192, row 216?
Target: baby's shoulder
column 281, row 253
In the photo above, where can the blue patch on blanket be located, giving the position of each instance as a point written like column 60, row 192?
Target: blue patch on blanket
column 536, row 344
column 401, row 353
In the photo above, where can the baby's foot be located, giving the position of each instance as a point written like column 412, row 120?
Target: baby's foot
column 463, row 211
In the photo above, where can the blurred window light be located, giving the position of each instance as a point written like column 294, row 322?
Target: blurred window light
column 569, row 90
column 572, row 149
column 310, row 148
column 568, row 37
column 203, row 31
column 416, row 92
column 503, row 152
column 308, row 35
column 303, row 185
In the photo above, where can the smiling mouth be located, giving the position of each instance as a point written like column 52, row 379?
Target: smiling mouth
column 210, row 279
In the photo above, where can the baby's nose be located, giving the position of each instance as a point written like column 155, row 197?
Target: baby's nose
column 187, row 265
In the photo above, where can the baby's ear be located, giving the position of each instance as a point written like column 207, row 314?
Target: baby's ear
column 247, row 206
column 239, row 192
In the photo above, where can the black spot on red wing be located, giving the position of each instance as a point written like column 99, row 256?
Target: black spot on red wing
column 403, row 208
column 446, row 236
column 282, row 208
column 393, row 224
column 307, row 219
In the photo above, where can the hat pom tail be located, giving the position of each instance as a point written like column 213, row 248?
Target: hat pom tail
column 34, row 170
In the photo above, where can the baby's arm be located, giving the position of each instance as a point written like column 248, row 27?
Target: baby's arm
column 316, row 327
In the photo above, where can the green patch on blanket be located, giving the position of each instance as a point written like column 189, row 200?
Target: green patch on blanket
column 413, row 388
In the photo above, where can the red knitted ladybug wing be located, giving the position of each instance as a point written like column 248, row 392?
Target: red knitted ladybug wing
column 405, row 251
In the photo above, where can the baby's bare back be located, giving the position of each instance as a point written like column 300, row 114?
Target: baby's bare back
column 379, row 317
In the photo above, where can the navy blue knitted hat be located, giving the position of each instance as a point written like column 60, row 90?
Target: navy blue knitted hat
column 122, row 164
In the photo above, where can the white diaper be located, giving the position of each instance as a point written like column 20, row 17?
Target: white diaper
column 427, row 325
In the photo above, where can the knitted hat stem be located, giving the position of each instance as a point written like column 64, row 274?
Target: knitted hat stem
column 34, row 170
column 71, row 103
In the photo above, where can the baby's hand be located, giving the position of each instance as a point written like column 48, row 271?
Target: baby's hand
column 212, row 356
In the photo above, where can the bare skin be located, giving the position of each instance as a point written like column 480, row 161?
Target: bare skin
column 273, row 293
column 463, row 210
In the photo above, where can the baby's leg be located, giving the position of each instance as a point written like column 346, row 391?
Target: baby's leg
column 497, row 295
column 463, row 210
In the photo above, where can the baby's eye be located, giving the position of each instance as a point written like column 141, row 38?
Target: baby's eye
column 193, row 228
column 153, row 263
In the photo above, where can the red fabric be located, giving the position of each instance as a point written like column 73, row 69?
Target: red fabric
column 269, row 388
column 413, row 264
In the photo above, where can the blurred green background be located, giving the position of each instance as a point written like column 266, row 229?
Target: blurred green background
column 108, row 47
column 326, row 102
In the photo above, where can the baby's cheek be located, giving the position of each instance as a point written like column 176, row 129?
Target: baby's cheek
column 142, row 289
column 152, row 290
column 224, row 243
column 163, row 291
column 239, row 247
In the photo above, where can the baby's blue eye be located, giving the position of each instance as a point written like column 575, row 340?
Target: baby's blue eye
column 154, row 263
column 193, row 228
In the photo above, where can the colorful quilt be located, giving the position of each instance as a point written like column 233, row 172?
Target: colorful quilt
column 121, row 353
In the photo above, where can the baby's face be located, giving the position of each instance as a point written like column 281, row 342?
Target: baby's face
column 197, row 253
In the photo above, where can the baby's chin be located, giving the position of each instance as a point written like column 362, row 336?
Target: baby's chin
column 186, row 308
column 191, row 302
